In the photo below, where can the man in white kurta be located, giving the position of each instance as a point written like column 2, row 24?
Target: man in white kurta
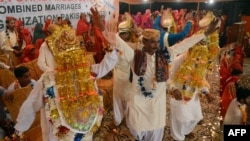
column 147, row 115
column 184, row 116
column 35, row 101
column 121, row 82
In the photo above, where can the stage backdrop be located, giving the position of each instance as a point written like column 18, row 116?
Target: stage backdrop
column 37, row 11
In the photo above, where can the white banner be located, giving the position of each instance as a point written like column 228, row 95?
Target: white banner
column 32, row 12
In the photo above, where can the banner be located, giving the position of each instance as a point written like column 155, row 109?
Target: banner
column 32, row 12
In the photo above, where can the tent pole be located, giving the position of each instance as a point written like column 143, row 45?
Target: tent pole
column 129, row 9
column 198, row 6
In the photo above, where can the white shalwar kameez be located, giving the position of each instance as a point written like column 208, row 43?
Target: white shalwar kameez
column 121, row 88
column 184, row 116
column 147, row 116
column 35, row 102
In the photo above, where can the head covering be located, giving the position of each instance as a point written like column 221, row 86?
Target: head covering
column 235, row 65
column 207, row 19
column 123, row 27
column 38, row 33
column 28, row 55
column 176, row 15
column 19, row 23
column 26, row 35
column 151, row 33
column 8, row 19
column 167, row 19
column 52, row 28
column 47, row 23
column 39, row 43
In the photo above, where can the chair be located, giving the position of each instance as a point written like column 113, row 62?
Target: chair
column 34, row 70
column 4, row 59
column 6, row 78
column 15, row 59
column 20, row 95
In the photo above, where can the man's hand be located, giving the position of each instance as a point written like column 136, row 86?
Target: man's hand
column 110, row 33
column 96, row 18
column 177, row 94
column 214, row 25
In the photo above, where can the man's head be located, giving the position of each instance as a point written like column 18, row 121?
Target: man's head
column 52, row 28
column 206, row 20
column 243, row 89
column 10, row 23
column 23, row 76
column 124, row 30
column 151, row 40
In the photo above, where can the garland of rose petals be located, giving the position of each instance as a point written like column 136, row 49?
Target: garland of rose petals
column 191, row 75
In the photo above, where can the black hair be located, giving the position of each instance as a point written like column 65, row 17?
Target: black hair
column 241, row 93
column 236, row 72
column 20, row 71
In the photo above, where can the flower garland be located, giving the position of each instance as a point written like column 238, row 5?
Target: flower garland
column 73, row 106
column 200, row 60
column 143, row 88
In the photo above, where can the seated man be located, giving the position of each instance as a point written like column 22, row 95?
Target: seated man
column 23, row 79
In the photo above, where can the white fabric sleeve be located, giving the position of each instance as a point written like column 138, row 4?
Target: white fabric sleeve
column 30, row 106
column 184, row 45
column 110, row 59
column 174, row 65
column 108, row 63
column 126, row 52
column 42, row 60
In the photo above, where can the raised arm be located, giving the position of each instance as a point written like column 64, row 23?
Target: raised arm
column 110, row 34
column 184, row 45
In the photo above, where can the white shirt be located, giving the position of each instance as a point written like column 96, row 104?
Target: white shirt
column 12, row 85
column 233, row 115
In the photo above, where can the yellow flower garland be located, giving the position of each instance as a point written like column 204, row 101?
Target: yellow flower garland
column 200, row 59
